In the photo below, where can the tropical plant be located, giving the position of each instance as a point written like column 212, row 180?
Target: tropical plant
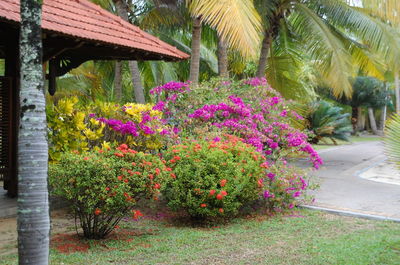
column 213, row 178
column 237, row 25
column 392, row 139
column 325, row 120
column 33, row 200
column 104, row 186
column 331, row 35
column 283, row 187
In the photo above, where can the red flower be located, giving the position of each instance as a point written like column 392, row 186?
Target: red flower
column 221, row 210
column 133, row 164
column 86, row 158
column 157, row 186
column 119, row 177
column 173, row 176
column 123, row 147
column 107, row 188
column 223, row 182
column 219, row 197
column 168, row 169
column 126, row 180
column 203, row 205
column 136, row 214
column 119, row 155
column 157, row 171
column 260, row 183
column 116, row 227
column 224, row 193
column 177, row 158
column 97, row 211
column 212, row 192
column 101, row 151
column 151, row 176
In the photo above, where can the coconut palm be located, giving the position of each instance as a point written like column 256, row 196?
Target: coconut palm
column 236, row 21
column 33, row 207
column 388, row 11
column 333, row 35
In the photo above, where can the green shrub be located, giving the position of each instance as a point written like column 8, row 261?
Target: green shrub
column 104, row 186
column 213, row 178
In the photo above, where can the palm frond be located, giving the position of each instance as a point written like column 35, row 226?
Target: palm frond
column 392, row 139
column 237, row 21
column 326, row 50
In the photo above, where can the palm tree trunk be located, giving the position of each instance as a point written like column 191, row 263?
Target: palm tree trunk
column 372, row 121
column 360, row 122
column 397, row 91
column 383, row 118
column 262, row 63
column 222, row 59
column 138, row 89
column 137, row 82
column 33, row 200
column 118, row 81
column 195, row 56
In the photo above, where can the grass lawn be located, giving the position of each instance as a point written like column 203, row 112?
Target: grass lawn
column 327, row 143
column 304, row 237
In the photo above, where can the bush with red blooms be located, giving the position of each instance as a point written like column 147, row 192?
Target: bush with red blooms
column 211, row 179
column 103, row 187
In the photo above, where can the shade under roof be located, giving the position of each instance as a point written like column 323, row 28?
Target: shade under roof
column 96, row 33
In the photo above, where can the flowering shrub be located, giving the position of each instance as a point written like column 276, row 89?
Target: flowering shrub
column 213, row 178
column 100, row 124
column 250, row 109
column 263, row 124
column 283, row 186
column 104, row 186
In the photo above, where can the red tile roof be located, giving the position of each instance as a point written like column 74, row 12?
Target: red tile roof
column 85, row 20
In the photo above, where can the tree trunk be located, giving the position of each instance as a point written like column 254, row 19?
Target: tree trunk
column 397, row 91
column 33, row 200
column 372, row 121
column 118, row 81
column 222, row 59
column 383, row 118
column 354, row 119
column 195, row 56
column 122, row 10
column 137, row 82
column 262, row 63
column 360, row 123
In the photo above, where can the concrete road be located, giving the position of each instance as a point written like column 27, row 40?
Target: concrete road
column 342, row 189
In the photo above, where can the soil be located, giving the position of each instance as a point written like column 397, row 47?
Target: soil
column 61, row 222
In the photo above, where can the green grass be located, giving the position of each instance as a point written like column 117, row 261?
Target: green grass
column 309, row 238
column 327, row 143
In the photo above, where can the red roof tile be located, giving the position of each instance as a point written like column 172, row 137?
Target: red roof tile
column 83, row 19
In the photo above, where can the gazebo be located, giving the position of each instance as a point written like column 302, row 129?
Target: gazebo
column 74, row 31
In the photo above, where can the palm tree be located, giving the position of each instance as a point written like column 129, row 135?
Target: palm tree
column 332, row 35
column 33, row 207
column 388, row 11
column 122, row 10
column 236, row 21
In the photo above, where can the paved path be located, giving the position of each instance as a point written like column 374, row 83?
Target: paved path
column 341, row 187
